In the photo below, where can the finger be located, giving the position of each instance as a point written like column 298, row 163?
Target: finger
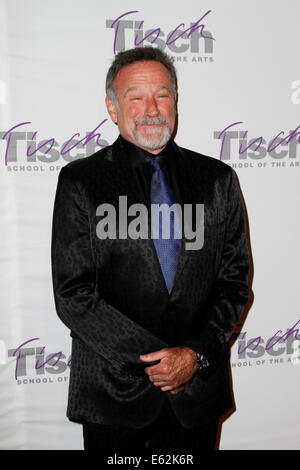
column 153, row 370
column 154, row 356
column 162, row 384
column 177, row 390
column 160, row 379
column 167, row 388
column 158, row 369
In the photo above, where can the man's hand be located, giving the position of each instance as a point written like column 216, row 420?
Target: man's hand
column 175, row 369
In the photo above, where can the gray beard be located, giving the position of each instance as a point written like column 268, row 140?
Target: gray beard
column 148, row 143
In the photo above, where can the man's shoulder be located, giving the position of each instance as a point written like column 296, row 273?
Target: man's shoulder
column 206, row 163
column 81, row 167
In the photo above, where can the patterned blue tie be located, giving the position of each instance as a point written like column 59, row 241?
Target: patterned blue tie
column 167, row 249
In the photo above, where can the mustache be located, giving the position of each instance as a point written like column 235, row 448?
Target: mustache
column 153, row 120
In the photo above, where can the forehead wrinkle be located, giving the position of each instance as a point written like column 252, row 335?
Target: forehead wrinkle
column 137, row 76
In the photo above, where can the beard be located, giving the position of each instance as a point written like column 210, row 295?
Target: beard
column 157, row 137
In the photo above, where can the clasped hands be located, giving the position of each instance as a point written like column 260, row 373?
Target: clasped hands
column 174, row 371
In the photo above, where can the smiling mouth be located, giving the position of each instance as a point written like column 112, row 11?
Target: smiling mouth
column 153, row 128
column 153, row 125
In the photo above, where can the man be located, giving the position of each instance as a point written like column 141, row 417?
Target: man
column 150, row 319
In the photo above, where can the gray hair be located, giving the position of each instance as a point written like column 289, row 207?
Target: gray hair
column 138, row 54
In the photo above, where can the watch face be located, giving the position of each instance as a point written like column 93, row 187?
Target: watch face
column 202, row 361
column 205, row 362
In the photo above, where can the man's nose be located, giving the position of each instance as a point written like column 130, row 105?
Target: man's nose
column 152, row 108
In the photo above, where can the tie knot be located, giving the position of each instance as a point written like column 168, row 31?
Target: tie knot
column 155, row 162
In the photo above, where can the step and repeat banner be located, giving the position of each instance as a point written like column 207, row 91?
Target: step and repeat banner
column 239, row 100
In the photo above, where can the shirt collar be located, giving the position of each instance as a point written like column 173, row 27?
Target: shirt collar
column 137, row 155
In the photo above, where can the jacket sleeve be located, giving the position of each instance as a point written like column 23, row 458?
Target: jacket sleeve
column 78, row 303
column 230, row 292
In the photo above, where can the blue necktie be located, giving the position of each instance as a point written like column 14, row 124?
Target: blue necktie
column 167, row 249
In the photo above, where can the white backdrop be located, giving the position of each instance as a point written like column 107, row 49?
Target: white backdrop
column 54, row 58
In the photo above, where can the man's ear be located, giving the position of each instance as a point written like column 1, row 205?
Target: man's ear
column 112, row 110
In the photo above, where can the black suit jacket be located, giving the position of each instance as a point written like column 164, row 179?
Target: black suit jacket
column 112, row 295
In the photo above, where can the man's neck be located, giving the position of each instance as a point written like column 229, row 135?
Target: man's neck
column 153, row 151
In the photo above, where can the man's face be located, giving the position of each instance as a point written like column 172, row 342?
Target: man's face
column 146, row 109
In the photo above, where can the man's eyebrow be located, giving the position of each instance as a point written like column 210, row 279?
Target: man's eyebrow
column 164, row 87
column 134, row 88
column 131, row 89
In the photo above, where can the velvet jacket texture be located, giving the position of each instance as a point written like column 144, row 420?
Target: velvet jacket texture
column 112, row 295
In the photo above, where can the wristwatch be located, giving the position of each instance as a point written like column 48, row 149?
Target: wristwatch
column 201, row 361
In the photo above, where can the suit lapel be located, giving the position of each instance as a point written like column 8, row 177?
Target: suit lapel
column 124, row 173
column 189, row 189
